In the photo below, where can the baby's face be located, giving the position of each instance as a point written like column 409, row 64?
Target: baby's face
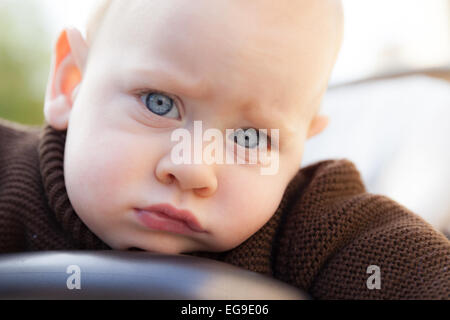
column 161, row 65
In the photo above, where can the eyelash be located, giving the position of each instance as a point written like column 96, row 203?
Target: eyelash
column 142, row 92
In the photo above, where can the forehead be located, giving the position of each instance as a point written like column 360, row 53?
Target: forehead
column 250, row 53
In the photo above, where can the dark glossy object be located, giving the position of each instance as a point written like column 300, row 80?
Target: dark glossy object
column 132, row 275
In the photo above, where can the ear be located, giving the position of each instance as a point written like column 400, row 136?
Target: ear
column 68, row 62
column 318, row 124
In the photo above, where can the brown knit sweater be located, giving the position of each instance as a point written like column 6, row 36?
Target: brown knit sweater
column 325, row 234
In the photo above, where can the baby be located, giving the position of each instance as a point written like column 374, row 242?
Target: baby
column 230, row 64
column 105, row 162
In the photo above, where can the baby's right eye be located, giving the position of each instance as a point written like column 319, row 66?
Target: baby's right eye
column 161, row 105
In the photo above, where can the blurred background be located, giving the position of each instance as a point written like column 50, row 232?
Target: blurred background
column 389, row 97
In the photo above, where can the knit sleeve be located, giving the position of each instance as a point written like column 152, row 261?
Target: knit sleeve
column 11, row 228
column 390, row 253
column 339, row 242
column 13, row 169
column 11, row 235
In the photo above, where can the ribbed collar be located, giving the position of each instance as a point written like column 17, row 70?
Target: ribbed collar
column 51, row 156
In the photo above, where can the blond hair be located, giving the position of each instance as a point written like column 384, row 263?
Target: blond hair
column 96, row 18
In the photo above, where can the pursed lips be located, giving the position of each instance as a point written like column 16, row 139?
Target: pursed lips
column 169, row 212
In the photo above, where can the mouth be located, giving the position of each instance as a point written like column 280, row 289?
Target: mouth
column 165, row 217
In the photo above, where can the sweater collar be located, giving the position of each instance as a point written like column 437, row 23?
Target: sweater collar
column 51, row 156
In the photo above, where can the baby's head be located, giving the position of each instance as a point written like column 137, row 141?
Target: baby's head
column 150, row 67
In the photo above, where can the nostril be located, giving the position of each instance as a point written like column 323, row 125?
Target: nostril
column 203, row 192
column 170, row 178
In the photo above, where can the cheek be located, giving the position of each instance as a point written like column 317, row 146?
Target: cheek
column 251, row 200
column 101, row 169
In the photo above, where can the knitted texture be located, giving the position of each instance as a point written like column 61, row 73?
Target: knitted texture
column 322, row 238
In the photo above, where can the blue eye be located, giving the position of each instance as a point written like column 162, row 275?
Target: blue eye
column 249, row 138
column 161, row 105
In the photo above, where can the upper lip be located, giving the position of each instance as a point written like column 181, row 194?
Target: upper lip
column 184, row 215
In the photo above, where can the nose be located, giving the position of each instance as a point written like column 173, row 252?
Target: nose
column 200, row 178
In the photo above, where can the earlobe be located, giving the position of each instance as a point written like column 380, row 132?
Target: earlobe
column 69, row 57
column 318, row 124
column 56, row 112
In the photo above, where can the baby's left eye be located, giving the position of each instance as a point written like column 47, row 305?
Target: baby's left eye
column 161, row 105
column 250, row 138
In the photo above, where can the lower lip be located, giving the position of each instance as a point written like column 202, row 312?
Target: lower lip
column 159, row 221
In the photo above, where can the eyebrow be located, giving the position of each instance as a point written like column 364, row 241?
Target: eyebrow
column 160, row 78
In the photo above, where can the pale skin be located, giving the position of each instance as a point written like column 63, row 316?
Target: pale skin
column 232, row 65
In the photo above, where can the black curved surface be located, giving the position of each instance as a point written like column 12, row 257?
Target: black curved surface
column 134, row 275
